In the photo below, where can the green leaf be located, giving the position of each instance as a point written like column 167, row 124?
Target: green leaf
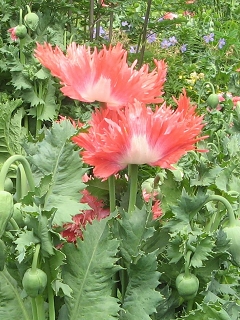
column 55, row 155
column 133, row 229
column 166, row 307
column 12, row 306
column 208, row 312
column 9, row 141
column 44, row 235
column 141, row 298
column 203, row 251
column 88, row 271
column 25, row 239
column 188, row 206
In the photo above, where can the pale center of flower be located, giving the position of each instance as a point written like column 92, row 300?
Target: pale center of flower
column 139, row 151
column 99, row 90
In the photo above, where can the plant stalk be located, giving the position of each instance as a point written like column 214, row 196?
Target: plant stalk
column 133, row 175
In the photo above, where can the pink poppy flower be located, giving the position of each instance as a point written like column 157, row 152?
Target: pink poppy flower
column 12, row 32
column 139, row 135
column 102, row 76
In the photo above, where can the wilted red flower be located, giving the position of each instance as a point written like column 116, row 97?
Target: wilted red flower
column 102, row 76
column 12, row 32
column 156, row 209
column 73, row 230
column 139, row 135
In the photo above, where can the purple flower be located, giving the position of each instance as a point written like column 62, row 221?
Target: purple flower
column 124, row 23
column 183, row 48
column 221, row 43
column 165, row 44
column 151, row 37
column 172, row 40
column 133, row 49
column 102, row 33
column 209, row 38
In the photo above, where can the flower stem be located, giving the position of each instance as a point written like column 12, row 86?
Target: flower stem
column 40, row 307
column 226, row 203
column 144, row 33
column 26, row 166
column 112, row 196
column 201, row 91
column 133, row 173
column 51, row 306
column 35, row 257
column 34, row 309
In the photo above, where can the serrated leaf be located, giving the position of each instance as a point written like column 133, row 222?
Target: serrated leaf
column 58, row 285
column 12, row 306
column 88, row 271
column 8, row 146
column 133, row 229
column 208, row 312
column 25, row 239
column 186, row 209
column 166, row 307
column 55, row 155
column 19, row 81
column 44, row 235
column 207, row 177
column 141, row 298
column 202, row 252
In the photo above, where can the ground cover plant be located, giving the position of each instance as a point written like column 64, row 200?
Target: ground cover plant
column 119, row 160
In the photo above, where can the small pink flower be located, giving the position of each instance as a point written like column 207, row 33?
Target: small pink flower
column 12, row 32
column 147, row 196
column 235, row 100
column 170, row 16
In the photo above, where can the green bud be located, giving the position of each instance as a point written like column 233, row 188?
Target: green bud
column 21, row 31
column 31, row 20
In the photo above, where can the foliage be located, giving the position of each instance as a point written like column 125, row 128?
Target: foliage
column 125, row 265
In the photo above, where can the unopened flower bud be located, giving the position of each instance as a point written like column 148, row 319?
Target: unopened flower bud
column 31, row 20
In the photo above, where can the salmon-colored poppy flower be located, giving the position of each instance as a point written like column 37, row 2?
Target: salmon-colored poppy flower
column 102, row 75
column 139, row 135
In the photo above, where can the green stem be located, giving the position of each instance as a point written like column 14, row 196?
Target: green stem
column 144, row 33
column 35, row 257
column 14, row 224
column 23, row 181
column 187, row 263
column 40, row 307
column 133, row 175
column 28, row 8
column 124, row 280
column 190, row 305
column 51, row 306
column 26, row 166
column 226, row 203
column 34, row 309
column 112, row 196
column 201, row 91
